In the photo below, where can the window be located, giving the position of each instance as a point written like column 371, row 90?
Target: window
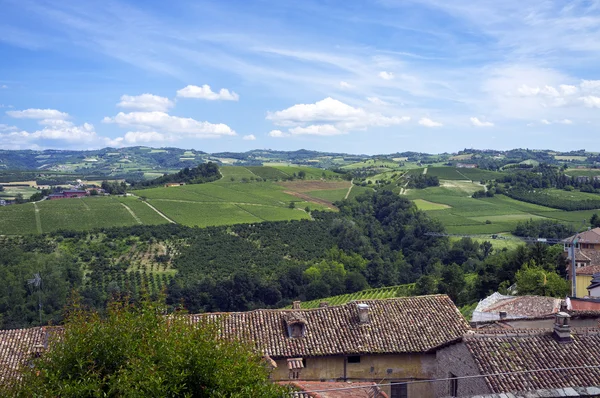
column 399, row 391
column 453, row 385
column 304, row 362
column 354, row 359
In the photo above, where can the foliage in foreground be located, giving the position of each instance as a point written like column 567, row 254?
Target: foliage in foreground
column 138, row 352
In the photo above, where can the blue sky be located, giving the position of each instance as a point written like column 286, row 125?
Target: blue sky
column 349, row 76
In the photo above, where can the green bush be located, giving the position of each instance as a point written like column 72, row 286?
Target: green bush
column 139, row 352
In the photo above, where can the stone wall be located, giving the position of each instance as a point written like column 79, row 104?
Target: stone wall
column 456, row 360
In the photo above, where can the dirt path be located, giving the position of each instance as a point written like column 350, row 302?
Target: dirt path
column 132, row 213
column 349, row 189
column 425, row 171
column 159, row 213
column 38, row 220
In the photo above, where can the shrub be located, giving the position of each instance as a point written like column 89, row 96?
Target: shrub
column 135, row 352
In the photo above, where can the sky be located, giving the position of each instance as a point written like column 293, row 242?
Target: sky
column 351, row 76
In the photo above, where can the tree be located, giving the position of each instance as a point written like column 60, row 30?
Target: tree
column 532, row 279
column 292, row 205
column 137, row 351
column 19, row 199
column 595, row 221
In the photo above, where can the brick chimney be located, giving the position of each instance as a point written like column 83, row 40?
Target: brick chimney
column 562, row 329
column 296, row 305
column 363, row 313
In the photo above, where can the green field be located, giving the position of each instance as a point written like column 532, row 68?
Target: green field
column 488, row 215
column 583, row 172
column 369, row 294
column 454, row 173
column 223, row 202
column 10, row 192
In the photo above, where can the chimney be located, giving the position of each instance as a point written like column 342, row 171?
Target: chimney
column 562, row 330
column 323, row 304
column 363, row 313
column 503, row 315
column 296, row 305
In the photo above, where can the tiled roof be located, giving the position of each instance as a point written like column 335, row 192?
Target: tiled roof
column 591, row 236
column 588, row 270
column 527, row 350
column 516, row 307
column 16, row 348
column 336, row 389
column 399, row 325
column 552, row 393
column 527, row 306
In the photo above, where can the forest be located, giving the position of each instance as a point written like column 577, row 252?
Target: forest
column 375, row 240
column 200, row 174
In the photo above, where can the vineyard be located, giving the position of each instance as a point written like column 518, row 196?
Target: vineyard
column 547, row 198
column 369, row 294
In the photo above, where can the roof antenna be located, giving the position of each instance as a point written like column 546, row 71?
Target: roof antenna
column 36, row 282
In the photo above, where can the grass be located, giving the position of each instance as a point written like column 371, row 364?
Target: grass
column 331, row 196
column 17, row 219
column 269, row 173
column 83, row 214
column 454, row 173
column 426, row 205
column 235, row 172
column 570, row 158
column 146, row 215
column 583, row 172
column 372, row 163
column 272, row 213
column 10, row 192
column 204, row 215
column 379, row 293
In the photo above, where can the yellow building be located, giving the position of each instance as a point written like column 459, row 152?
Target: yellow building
column 384, row 341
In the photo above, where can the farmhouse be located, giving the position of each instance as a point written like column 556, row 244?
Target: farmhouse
column 371, row 340
column 521, row 361
column 67, row 194
column 367, row 341
column 466, row 165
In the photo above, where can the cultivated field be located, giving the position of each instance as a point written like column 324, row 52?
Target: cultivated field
column 452, row 204
column 223, row 202
column 369, row 294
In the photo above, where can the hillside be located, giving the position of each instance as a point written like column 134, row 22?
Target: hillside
column 242, row 195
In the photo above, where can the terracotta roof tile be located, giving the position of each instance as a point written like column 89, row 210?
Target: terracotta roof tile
column 588, row 270
column 17, row 347
column 399, row 325
column 526, row 306
column 591, row 236
column 521, row 350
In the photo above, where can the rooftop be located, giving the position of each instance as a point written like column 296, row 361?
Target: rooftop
column 398, row 325
column 590, row 236
column 515, row 307
column 527, row 350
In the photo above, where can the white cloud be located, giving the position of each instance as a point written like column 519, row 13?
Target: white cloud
column 205, row 92
column 55, row 123
column 3, row 86
column 83, row 133
column 345, row 85
column 316, row 129
column 329, row 117
column 590, row 85
column 164, row 122
column 376, row 101
column 136, row 137
column 429, row 123
column 249, row 137
column 544, row 121
column 478, row 123
column 386, row 75
column 565, row 121
column 277, row 134
column 38, row 114
column 591, row 101
column 6, row 127
column 567, row 89
column 146, row 102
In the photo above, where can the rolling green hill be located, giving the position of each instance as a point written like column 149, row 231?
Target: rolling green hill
column 238, row 197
